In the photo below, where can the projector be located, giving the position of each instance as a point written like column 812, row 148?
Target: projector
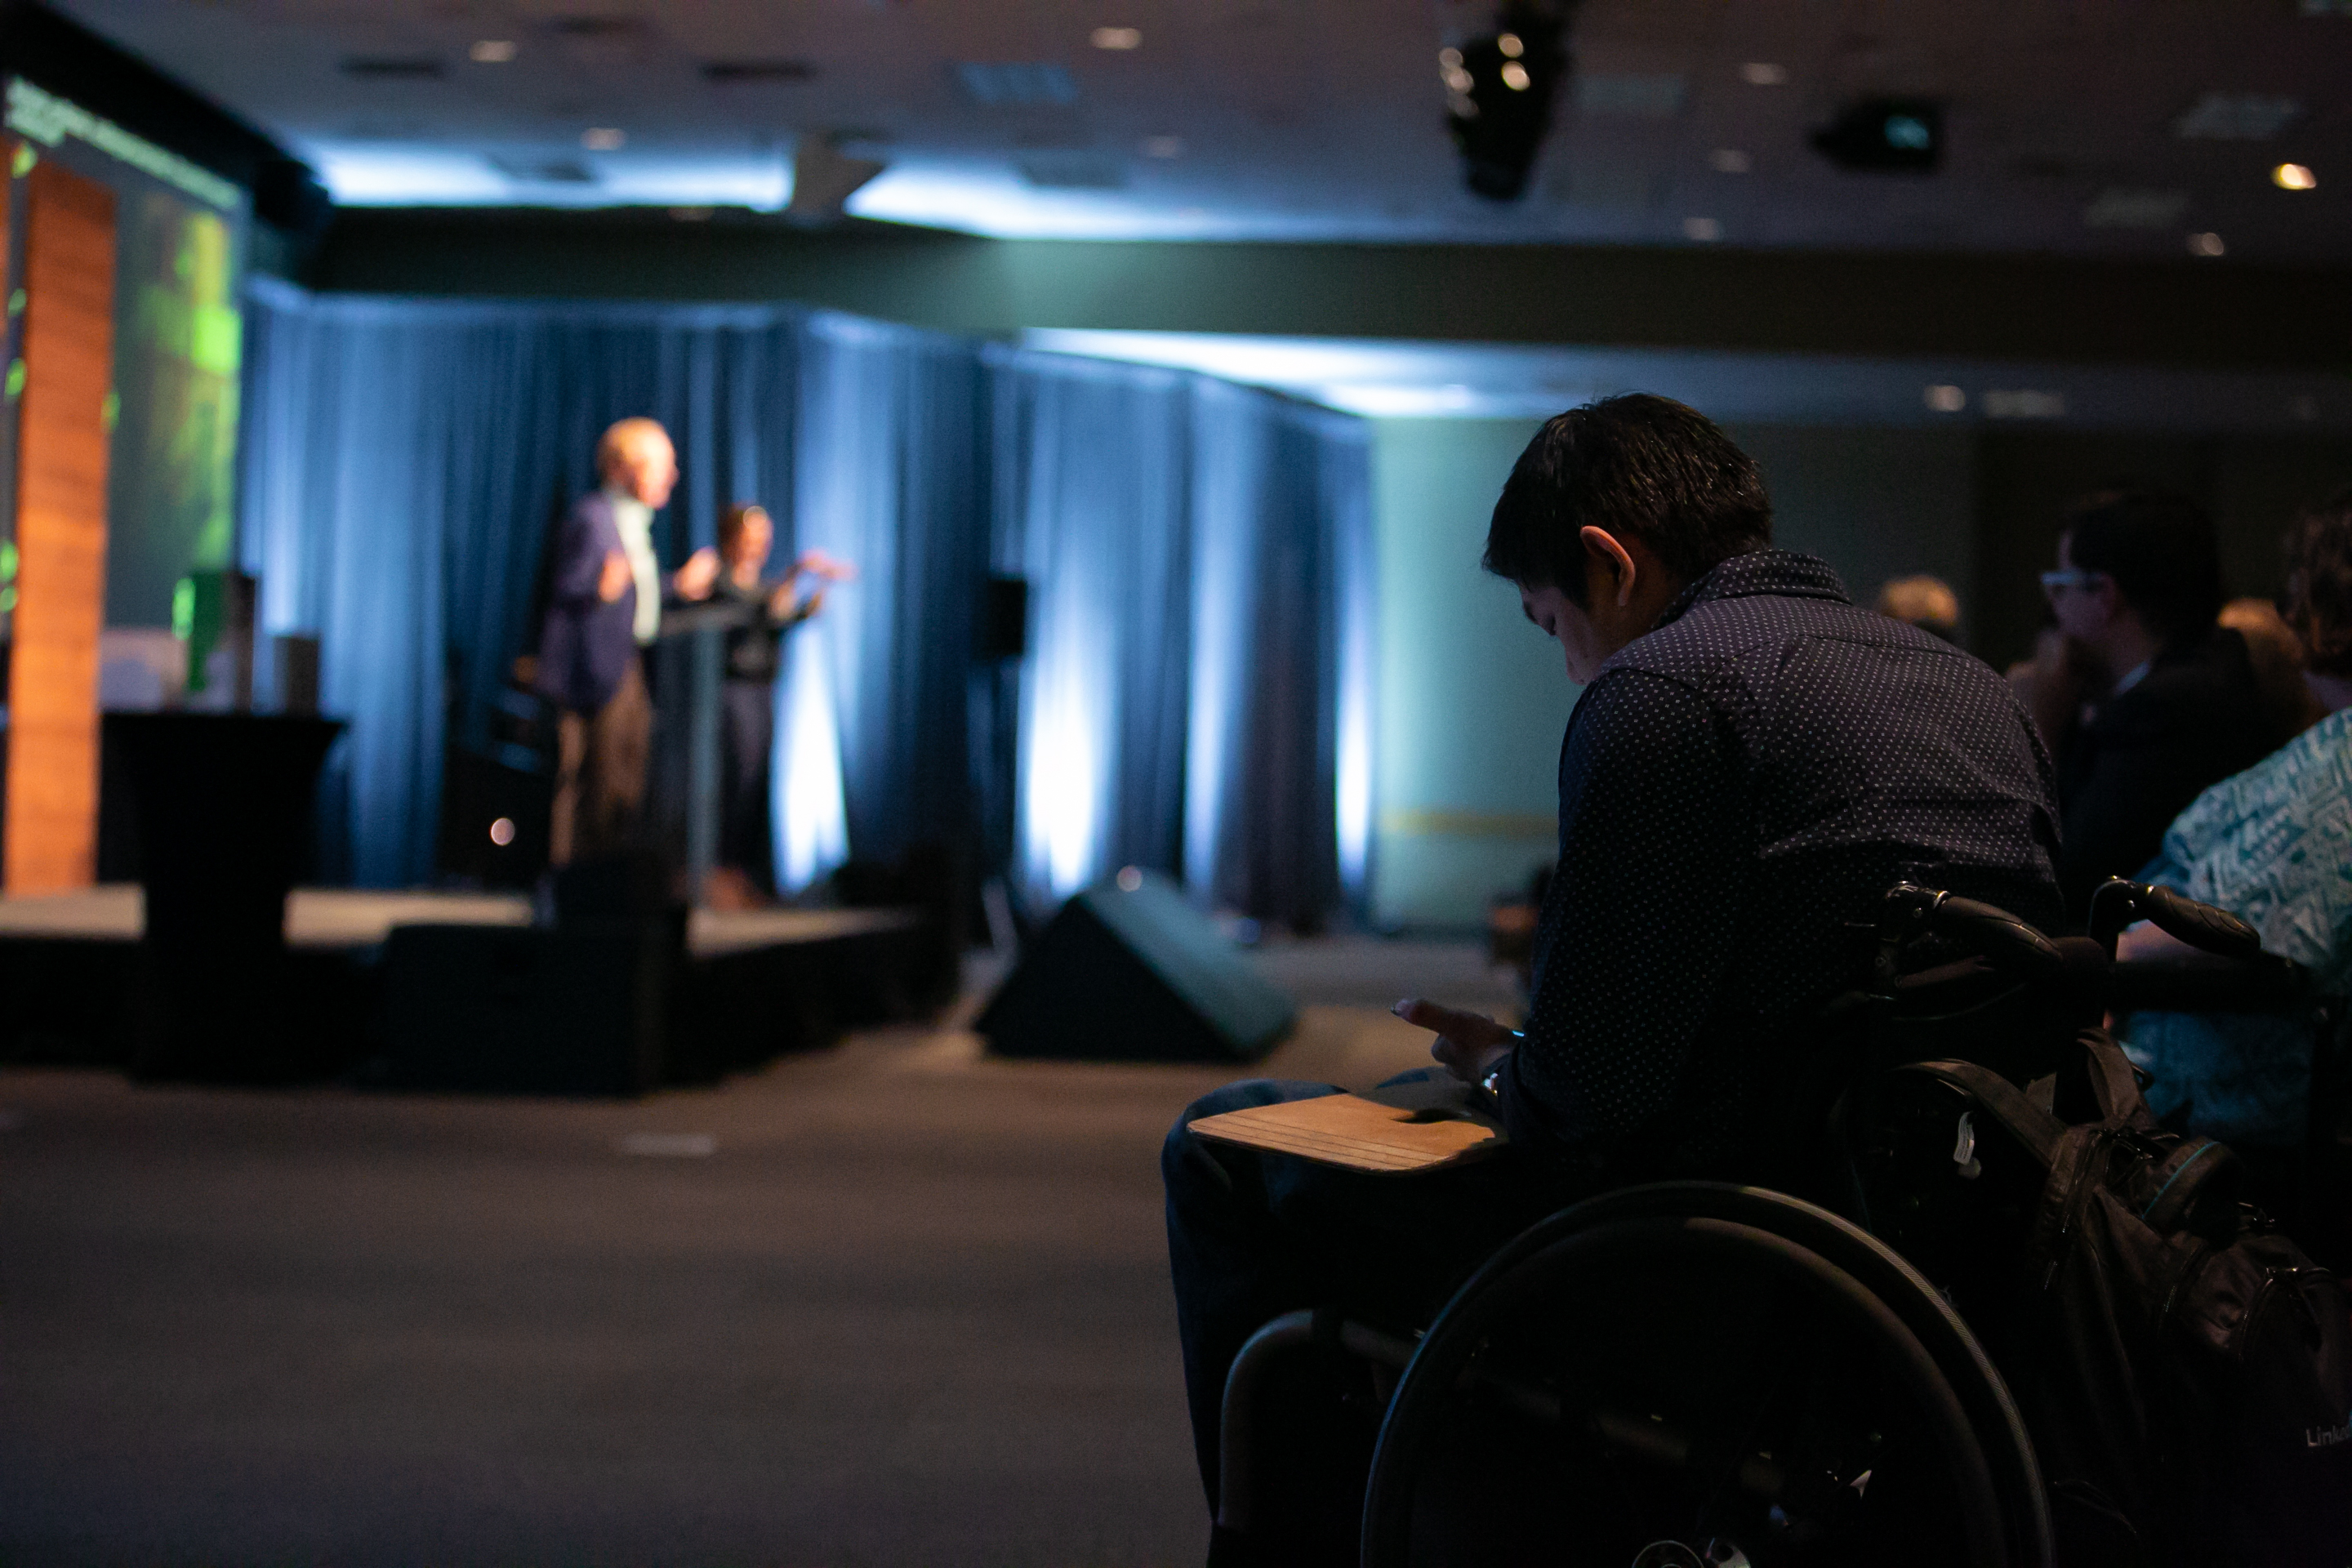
column 1885, row 135
column 1499, row 90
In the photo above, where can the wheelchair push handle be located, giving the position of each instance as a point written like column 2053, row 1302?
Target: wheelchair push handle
column 2116, row 902
column 2010, row 943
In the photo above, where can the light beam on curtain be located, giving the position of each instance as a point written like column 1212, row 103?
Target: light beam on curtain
column 888, row 475
column 1091, row 477
column 1277, row 801
column 810, row 818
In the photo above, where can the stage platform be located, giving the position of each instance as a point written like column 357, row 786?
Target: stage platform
column 342, row 919
column 460, row 991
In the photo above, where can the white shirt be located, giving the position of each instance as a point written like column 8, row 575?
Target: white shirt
column 634, row 519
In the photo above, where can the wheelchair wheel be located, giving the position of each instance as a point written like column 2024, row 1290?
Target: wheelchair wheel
column 1694, row 1375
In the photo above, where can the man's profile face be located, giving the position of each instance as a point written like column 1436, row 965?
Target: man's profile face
column 2082, row 609
column 646, row 467
column 1564, row 621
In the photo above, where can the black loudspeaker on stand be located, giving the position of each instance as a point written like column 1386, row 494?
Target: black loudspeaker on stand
column 1130, row 972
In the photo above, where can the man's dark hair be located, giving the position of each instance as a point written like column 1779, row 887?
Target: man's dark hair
column 2319, row 584
column 2158, row 548
column 1641, row 467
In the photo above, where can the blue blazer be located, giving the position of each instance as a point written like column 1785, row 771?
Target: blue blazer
column 584, row 644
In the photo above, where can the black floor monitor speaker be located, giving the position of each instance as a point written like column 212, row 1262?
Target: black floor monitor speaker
column 1130, row 972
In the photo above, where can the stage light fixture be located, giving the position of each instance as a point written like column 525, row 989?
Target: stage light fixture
column 1500, row 91
column 1885, row 135
column 2293, row 177
column 2205, row 245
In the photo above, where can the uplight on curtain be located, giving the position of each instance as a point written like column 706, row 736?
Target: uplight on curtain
column 809, row 817
column 1092, row 470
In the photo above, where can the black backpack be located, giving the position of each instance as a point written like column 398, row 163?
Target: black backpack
column 2184, row 1368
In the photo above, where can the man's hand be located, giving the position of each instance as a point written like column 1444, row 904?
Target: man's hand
column 1470, row 1045
column 694, row 579
column 782, row 606
column 616, row 578
column 817, row 563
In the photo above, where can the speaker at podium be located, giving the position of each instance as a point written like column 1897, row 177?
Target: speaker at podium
column 1129, row 971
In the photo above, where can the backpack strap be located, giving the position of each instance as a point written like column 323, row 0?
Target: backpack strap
column 2115, row 1082
column 2003, row 1102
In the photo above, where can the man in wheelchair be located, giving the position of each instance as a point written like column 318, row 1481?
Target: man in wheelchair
column 1752, row 762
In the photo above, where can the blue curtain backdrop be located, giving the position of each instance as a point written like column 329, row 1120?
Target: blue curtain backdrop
column 1195, row 694
column 401, row 463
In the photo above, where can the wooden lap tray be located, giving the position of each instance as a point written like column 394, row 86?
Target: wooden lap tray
column 1359, row 1134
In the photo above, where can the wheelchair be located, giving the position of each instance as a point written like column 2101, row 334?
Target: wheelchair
column 1697, row 1374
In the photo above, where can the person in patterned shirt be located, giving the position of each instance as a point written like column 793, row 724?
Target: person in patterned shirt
column 2273, row 846
column 1753, row 761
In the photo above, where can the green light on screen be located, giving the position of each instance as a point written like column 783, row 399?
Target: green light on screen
column 8, row 600
column 183, row 608
column 16, row 303
column 8, row 561
column 15, row 378
column 111, row 410
column 215, row 335
column 25, row 159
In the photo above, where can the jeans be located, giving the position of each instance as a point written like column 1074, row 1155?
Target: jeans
column 1252, row 1235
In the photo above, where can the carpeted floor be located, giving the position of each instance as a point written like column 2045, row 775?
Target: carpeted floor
column 893, row 1304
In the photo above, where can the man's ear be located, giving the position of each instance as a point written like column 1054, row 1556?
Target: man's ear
column 1603, row 551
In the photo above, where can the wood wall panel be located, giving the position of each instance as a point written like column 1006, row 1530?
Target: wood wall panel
column 51, row 832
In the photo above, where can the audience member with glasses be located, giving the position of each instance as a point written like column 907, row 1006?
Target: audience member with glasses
column 2145, row 699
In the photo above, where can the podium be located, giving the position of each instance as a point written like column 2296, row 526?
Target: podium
column 223, row 805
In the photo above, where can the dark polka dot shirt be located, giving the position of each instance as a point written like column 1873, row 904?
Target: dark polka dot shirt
column 1735, row 787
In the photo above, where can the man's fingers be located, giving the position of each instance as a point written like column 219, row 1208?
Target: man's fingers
column 1470, row 1028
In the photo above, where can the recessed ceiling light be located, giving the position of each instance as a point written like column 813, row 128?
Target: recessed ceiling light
column 1729, row 161
column 1706, row 230
column 492, row 51
column 1945, row 398
column 603, row 138
column 1515, row 76
column 1511, row 45
column 1764, row 73
column 2293, row 177
column 1117, row 37
column 1163, row 146
column 2205, row 245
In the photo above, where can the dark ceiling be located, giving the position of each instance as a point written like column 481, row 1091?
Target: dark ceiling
column 2107, row 127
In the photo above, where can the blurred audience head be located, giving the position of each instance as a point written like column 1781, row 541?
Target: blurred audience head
column 745, row 535
column 2319, row 594
column 635, row 456
column 2148, row 554
column 1927, row 603
column 2276, row 654
column 1650, row 471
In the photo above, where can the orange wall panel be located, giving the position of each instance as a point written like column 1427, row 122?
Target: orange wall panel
column 49, row 841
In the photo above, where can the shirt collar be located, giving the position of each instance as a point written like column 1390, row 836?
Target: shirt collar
column 627, row 506
column 1781, row 572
